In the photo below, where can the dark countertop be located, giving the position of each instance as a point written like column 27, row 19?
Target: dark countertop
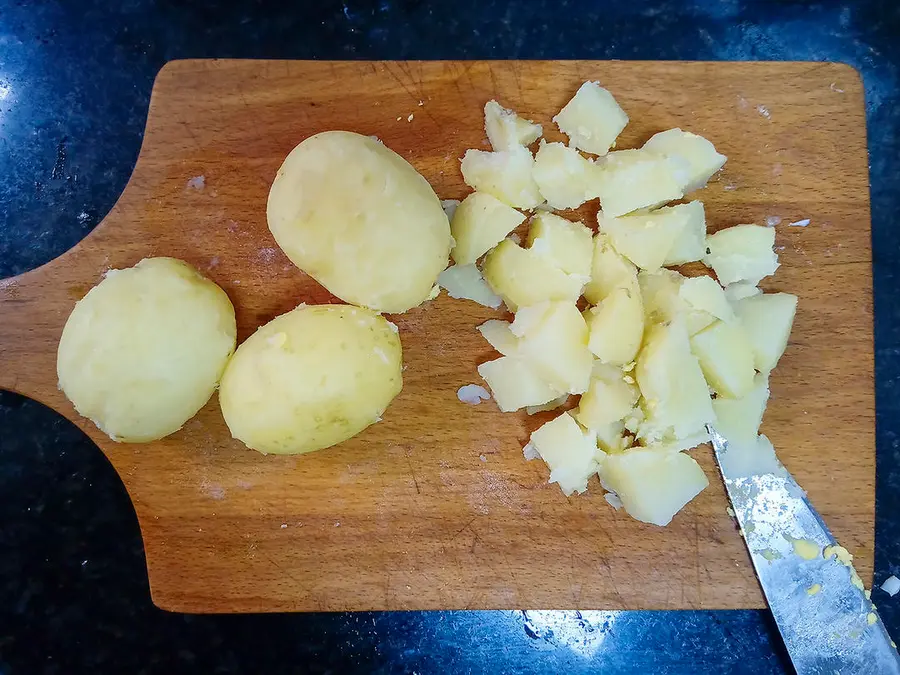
column 75, row 82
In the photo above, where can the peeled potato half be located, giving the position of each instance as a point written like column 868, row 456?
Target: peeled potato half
column 359, row 219
column 143, row 351
column 311, row 378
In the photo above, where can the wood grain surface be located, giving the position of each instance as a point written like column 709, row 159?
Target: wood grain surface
column 435, row 507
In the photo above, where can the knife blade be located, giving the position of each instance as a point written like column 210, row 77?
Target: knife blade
column 823, row 613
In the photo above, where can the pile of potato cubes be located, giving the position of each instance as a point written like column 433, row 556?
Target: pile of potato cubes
column 655, row 356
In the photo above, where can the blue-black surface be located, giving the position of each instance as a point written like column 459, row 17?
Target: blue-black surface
column 75, row 82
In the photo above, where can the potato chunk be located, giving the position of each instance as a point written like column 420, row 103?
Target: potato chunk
column 648, row 239
column 609, row 398
column 738, row 420
column 617, row 326
column 465, row 282
column 592, row 119
column 479, row 223
column 767, row 320
column 677, row 401
column 663, row 302
column 522, row 277
column 515, row 383
column 703, row 293
column 553, row 338
column 569, row 451
column 609, row 270
column 499, row 336
column 636, row 179
column 690, row 244
column 698, row 155
column 742, row 253
column 566, row 244
column 506, row 130
column 311, row 378
column 563, row 175
column 505, row 174
column 653, row 485
column 726, row 358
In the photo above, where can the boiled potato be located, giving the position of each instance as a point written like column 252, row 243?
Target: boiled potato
column 740, row 290
column 465, row 282
column 609, row 271
column 554, row 339
column 646, row 239
column 610, row 397
column 690, row 244
column 742, row 253
column 505, row 174
column 515, row 383
column 143, row 351
column 677, row 445
column 479, row 223
column 704, row 294
column 663, row 302
column 360, row 220
column 569, row 451
column 506, row 130
column 566, row 244
column 653, row 485
column 617, row 326
column 698, row 155
column 563, row 175
column 499, row 336
column 611, row 438
column 522, row 277
column 592, row 119
column 738, row 420
column 767, row 320
column 630, row 180
column 311, row 378
column 676, row 396
column 726, row 358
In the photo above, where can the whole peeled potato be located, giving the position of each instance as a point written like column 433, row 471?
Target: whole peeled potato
column 311, row 378
column 143, row 351
column 359, row 219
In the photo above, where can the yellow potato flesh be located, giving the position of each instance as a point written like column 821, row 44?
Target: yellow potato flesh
column 143, row 351
column 359, row 219
column 311, row 378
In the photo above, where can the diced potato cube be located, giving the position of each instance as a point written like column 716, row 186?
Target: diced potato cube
column 698, row 154
column 690, row 245
column 646, row 238
column 617, row 326
column 554, row 341
column 653, row 485
column 465, row 282
column 592, row 119
column 609, row 398
column 740, row 290
column 692, row 441
column 506, row 130
column 742, row 253
column 661, row 292
column 738, row 420
column 750, row 458
column 563, row 175
column 499, row 336
column 515, row 383
column 550, row 405
column 505, row 174
column 566, row 244
column 609, row 270
column 726, row 359
column 569, row 451
column 703, row 293
column 522, row 277
column 636, row 179
column 612, row 438
column 676, row 396
column 767, row 320
column 479, row 223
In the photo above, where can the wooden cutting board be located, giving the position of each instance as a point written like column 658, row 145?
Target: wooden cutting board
column 435, row 507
